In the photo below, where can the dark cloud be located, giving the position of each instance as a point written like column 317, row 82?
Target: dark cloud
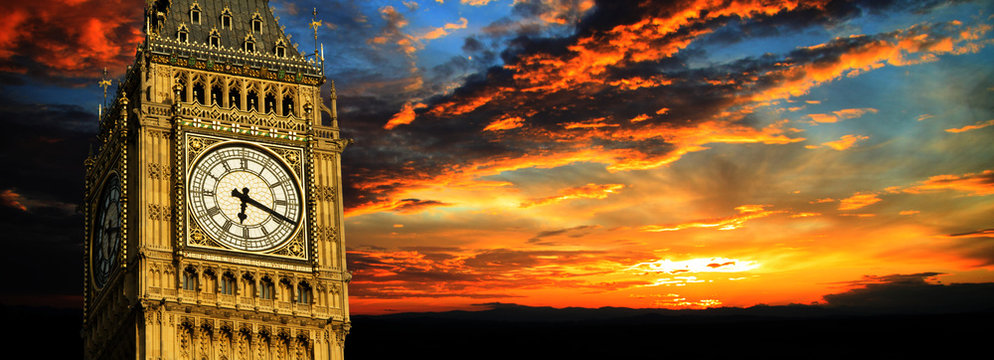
column 911, row 293
column 576, row 231
column 42, row 150
column 977, row 245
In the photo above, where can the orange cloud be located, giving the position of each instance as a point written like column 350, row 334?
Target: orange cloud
column 443, row 31
column 843, row 143
column 12, row 199
column 463, row 104
column 80, row 41
column 653, row 38
column 589, row 191
column 977, row 184
column 404, row 116
column 638, row 82
column 505, row 123
column 822, row 118
column 839, row 115
column 914, row 45
column 858, row 201
column 406, row 205
column 642, row 117
column 976, row 126
column 589, row 124
column 692, row 266
column 853, row 113
column 478, row 274
column 746, row 213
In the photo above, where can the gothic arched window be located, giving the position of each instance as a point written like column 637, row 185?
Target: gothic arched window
column 227, row 284
column 250, row 43
column 195, row 13
column 226, row 18
column 266, row 288
column 288, row 109
column 248, row 285
column 183, row 34
column 190, row 279
column 303, row 293
column 280, row 48
column 257, row 23
column 215, row 39
column 270, row 103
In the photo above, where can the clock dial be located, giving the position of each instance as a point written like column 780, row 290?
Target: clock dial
column 107, row 232
column 244, row 198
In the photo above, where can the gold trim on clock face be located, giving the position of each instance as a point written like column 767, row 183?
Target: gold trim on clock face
column 245, row 198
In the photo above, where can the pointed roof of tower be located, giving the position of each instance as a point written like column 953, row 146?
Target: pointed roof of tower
column 169, row 17
column 240, row 37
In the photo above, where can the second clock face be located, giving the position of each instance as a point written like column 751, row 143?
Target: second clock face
column 107, row 231
column 244, row 197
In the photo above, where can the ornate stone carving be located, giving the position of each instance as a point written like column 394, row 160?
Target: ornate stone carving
column 159, row 212
column 325, row 233
column 324, row 193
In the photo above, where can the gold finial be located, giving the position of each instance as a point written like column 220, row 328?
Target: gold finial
column 105, row 83
column 315, row 24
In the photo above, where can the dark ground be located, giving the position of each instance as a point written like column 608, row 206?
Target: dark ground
column 518, row 332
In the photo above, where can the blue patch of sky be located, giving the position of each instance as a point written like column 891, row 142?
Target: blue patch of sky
column 33, row 92
column 869, row 23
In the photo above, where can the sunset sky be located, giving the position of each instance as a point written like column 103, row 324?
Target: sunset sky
column 682, row 154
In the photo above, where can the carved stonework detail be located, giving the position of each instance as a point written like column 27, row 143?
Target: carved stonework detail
column 198, row 144
column 293, row 248
column 324, row 156
column 292, row 157
column 157, row 171
column 197, row 236
column 155, row 134
column 158, row 212
column 324, row 193
column 325, row 233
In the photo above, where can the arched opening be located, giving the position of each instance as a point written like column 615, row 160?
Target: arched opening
column 303, row 293
column 270, row 103
column 253, row 100
column 190, row 279
column 198, row 93
column 210, row 282
column 235, row 99
column 216, row 94
column 227, row 284
column 248, row 285
column 180, row 80
column 266, row 288
column 286, row 290
column 288, row 109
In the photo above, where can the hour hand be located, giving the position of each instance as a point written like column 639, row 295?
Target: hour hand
column 241, row 196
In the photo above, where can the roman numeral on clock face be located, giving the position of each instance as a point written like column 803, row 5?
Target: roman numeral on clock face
column 213, row 211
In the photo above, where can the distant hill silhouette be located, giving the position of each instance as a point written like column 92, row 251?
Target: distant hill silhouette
column 903, row 318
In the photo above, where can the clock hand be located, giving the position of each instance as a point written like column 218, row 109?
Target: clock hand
column 248, row 200
column 241, row 196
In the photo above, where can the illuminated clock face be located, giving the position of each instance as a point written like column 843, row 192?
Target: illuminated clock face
column 106, row 231
column 244, row 198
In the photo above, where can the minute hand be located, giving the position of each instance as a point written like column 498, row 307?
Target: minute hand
column 248, row 200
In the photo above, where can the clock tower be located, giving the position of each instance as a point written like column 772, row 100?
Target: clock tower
column 213, row 211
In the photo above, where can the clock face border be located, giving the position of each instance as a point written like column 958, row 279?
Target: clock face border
column 97, row 217
column 292, row 158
